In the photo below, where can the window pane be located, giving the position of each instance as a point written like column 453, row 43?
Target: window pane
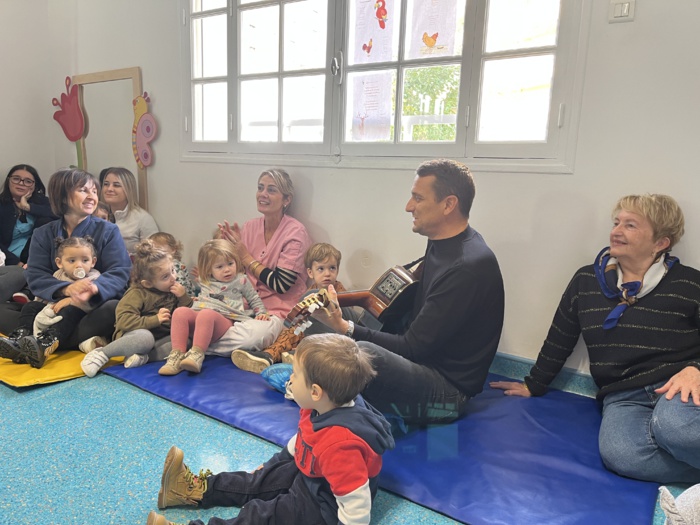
column 430, row 99
column 434, row 28
column 303, row 103
column 373, row 31
column 369, row 114
column 259, row 110
column 209, row 47
column 305, row 35
column 210, row 109
column 515, row 99
column 206, row 5
column 519, row 24
column 259, row 42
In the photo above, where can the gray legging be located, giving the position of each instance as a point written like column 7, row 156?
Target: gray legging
column 11, row 280
column 139, row 341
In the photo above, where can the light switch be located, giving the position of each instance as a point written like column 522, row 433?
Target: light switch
column 621, row 11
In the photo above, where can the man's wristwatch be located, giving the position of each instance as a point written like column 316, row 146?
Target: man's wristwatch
column 350, row 330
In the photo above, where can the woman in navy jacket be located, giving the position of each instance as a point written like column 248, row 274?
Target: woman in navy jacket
column 74, row 196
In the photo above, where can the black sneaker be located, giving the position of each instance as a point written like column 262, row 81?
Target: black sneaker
column 251, row 360
column 9, row 345
column 35, row 349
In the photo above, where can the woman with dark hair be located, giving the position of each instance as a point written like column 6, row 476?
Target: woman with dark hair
column 73, row 196
column 23, row 207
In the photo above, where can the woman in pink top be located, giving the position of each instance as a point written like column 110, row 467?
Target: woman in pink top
column 272, row 247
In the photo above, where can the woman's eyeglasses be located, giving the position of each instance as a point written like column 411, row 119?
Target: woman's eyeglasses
column 24, row 182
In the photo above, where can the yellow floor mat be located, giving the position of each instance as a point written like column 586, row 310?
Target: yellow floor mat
column 60, row 366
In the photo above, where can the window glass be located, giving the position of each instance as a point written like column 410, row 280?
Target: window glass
column 370, row 108
column 206, row 5
column 429, row 108
column 434, row 29
column 259, row 110
column 209, row 46
column 305, row 35
column 515, row 98
column 210, row 111
column 303, row 108
column 259, row 40
column 374, row 31
column 521, row 24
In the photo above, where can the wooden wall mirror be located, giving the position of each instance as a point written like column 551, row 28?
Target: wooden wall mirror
column 107, row 102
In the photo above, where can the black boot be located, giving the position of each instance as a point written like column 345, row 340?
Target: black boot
column 9, row 345
column 35, row 349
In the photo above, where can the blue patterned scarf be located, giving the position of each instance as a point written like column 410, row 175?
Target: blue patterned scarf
column 609, row 276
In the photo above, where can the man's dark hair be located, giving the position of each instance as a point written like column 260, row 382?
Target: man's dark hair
column 451, row 178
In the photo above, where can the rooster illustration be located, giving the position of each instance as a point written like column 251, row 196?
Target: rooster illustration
column 382, row 13
column 430, row 40
column 367, row 48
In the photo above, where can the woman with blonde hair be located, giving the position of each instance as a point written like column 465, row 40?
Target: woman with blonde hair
column 272, row 247
column 120, row 193
column 638, row 311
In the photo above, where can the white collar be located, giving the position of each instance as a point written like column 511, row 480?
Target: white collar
column 120, row 214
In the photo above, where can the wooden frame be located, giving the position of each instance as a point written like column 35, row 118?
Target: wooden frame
column 129, row 73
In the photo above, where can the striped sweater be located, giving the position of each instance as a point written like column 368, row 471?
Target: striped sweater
column 654, row 339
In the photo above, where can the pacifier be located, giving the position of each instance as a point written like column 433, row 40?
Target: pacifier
column 79, row 273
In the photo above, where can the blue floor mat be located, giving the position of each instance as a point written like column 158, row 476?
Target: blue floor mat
column 510, row 460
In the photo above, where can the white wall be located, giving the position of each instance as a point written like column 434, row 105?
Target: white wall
column 639, row 132
column 24, row 103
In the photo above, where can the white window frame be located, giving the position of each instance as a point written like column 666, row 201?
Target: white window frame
column 556, row 155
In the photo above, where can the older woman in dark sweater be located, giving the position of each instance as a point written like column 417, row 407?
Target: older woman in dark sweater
column 24, row 207
column 638, row 310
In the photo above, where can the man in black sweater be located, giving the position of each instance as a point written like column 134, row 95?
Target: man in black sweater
column 428, row 372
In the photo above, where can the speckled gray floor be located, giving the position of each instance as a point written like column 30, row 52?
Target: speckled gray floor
column 90, row 451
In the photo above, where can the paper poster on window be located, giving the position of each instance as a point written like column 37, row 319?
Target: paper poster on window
column 433, row 27
column 375, row 23
column 371, row 106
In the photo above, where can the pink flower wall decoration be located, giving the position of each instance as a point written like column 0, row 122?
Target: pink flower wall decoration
column 70, row 116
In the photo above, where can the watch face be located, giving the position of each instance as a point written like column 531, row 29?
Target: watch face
column 390, row 286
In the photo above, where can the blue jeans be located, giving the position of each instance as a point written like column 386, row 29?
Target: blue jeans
column 645, row 436
column 416, row 393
